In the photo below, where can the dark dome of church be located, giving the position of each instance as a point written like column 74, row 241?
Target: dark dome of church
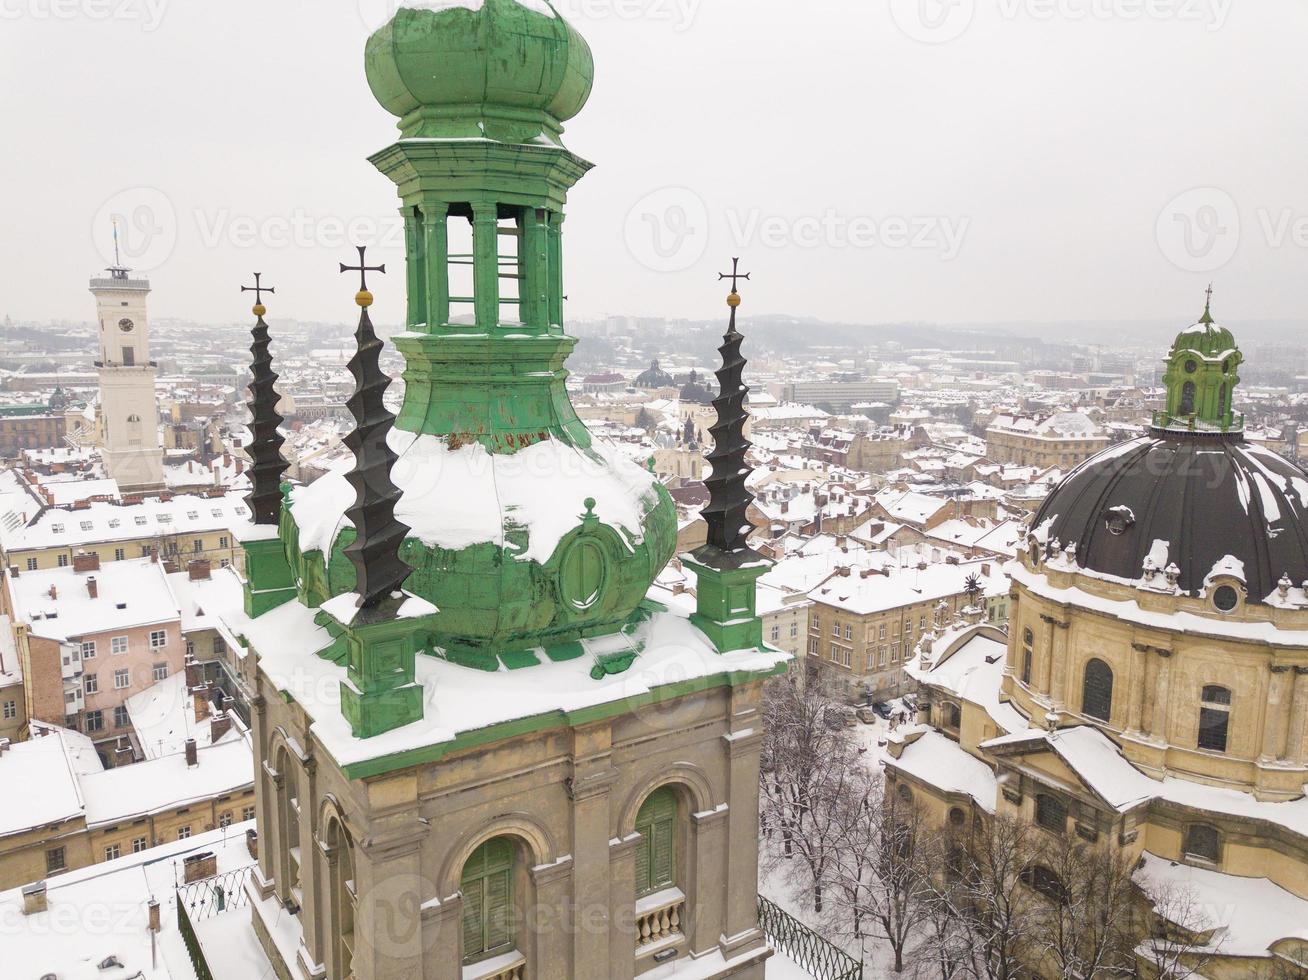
column 1206, row 496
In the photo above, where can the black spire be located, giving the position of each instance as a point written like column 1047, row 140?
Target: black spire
column 725, row 513
column 375, row 552
column 267, row 464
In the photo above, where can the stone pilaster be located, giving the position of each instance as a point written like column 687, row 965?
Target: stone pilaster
column 622, row 932
column 740, row 930
column 1274, row 720
column 1046, row 669
column 1136, row 691
column 547, row 939
column 1058, row 657
column 706, row 917
column 1297, row 745
column 592, row 780
column 1162, row 694
column 390, row 944
column 486, row 264
column 442, row 938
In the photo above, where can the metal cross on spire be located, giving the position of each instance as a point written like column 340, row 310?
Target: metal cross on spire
column 1208, row 306
column 363, row 269
column 258, row 289
column 734, row 274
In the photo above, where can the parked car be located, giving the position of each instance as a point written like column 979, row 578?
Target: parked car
column 882, row 709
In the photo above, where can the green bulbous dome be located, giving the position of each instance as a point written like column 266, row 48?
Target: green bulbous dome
column 508, row 70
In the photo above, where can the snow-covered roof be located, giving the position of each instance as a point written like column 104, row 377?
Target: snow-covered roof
column 456, row 498
column 1099, row 763
column 669, row 650
column 1247, row 915
column 968, row 662
column 163, row 717
column 863, row 595
column 115, row 896
column 130, row 594
column 167, row 782
column 940, row 762
column 40, row 781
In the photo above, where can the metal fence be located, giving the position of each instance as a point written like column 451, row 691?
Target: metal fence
column 821, row 959
column 208, row 897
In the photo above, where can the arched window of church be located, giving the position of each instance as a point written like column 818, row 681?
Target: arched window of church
column 1203, row 842
column 1187, row 399
column 342, row 896
column 1050, row 813
column 1028, row 655
column 288, row 824
column 487, row 887
column 656, row 854
column 1097, row 691
column 1214, row 718
column 1046, row 881
column 1221, row 400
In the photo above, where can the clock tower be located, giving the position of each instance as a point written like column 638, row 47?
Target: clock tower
column 128, row 405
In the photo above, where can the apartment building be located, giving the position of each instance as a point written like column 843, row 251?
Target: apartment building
column 865, row 622
column 1064, row 439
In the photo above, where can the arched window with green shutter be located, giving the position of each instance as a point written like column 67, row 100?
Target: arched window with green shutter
column 487, row 887
column 656, row 854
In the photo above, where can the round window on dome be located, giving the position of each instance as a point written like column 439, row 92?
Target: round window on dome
column 1191, row 367
column 1225, row 598
column 582, row 573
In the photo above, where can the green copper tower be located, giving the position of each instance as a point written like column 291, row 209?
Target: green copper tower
column 1201, row 376
column 525, row 534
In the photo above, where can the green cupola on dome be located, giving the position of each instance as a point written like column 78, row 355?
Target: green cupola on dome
column 507, row 70
column 525, row 533
column 1201, row 377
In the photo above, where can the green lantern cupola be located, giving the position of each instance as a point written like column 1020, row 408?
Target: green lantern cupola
column 1201, row 376
column 525, row 533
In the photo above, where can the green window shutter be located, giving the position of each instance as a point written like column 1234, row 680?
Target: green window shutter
column 499, row 912
column 487, row 885
column 474, row 919
column 642, row 860
column 655, row 857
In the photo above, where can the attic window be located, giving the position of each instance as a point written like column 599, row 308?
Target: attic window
column 192, row 515
column 57, row 528
column 140, row 520
column 120, row 605
column 87, row 525
column 1119, row 519
column 114, row 522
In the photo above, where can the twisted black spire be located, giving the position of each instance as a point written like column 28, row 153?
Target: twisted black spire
column 375, row 551
column 725, row 513
column 265, row 449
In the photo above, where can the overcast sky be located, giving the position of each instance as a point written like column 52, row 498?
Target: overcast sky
column 870, row 160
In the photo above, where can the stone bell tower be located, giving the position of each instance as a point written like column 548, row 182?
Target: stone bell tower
column 132, row 454
column 484, row 753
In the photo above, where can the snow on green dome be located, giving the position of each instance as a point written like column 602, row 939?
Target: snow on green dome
column 509, row 70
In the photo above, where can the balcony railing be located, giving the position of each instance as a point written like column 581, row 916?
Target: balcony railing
column 658, row 918
column 204, row 899
column 805, row 947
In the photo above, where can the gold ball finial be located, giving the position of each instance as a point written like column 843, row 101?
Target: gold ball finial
column 733, row 300
column 259, row 309
column 363, row 298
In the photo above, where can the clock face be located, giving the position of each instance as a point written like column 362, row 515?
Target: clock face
column 126, row 325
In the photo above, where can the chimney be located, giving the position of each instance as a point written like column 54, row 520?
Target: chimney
column 199, row 570
column 93, row 588
column 252, row 842
column 154, row 555
column 155, row 923
column 34, row 898
column 4, row 745
column 123, row 754
column 240, row 466
column 192, row 668
column 219, row 725
column 53, row 593
column 192, row 756
column 843, row 571
column 200, row 698
column 13, row 571
column 198, row 866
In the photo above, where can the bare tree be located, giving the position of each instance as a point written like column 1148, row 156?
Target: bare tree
column 1087, row 927
column 808, row 765
column 1180, row 943
column 997, row 909
column 881, row 867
